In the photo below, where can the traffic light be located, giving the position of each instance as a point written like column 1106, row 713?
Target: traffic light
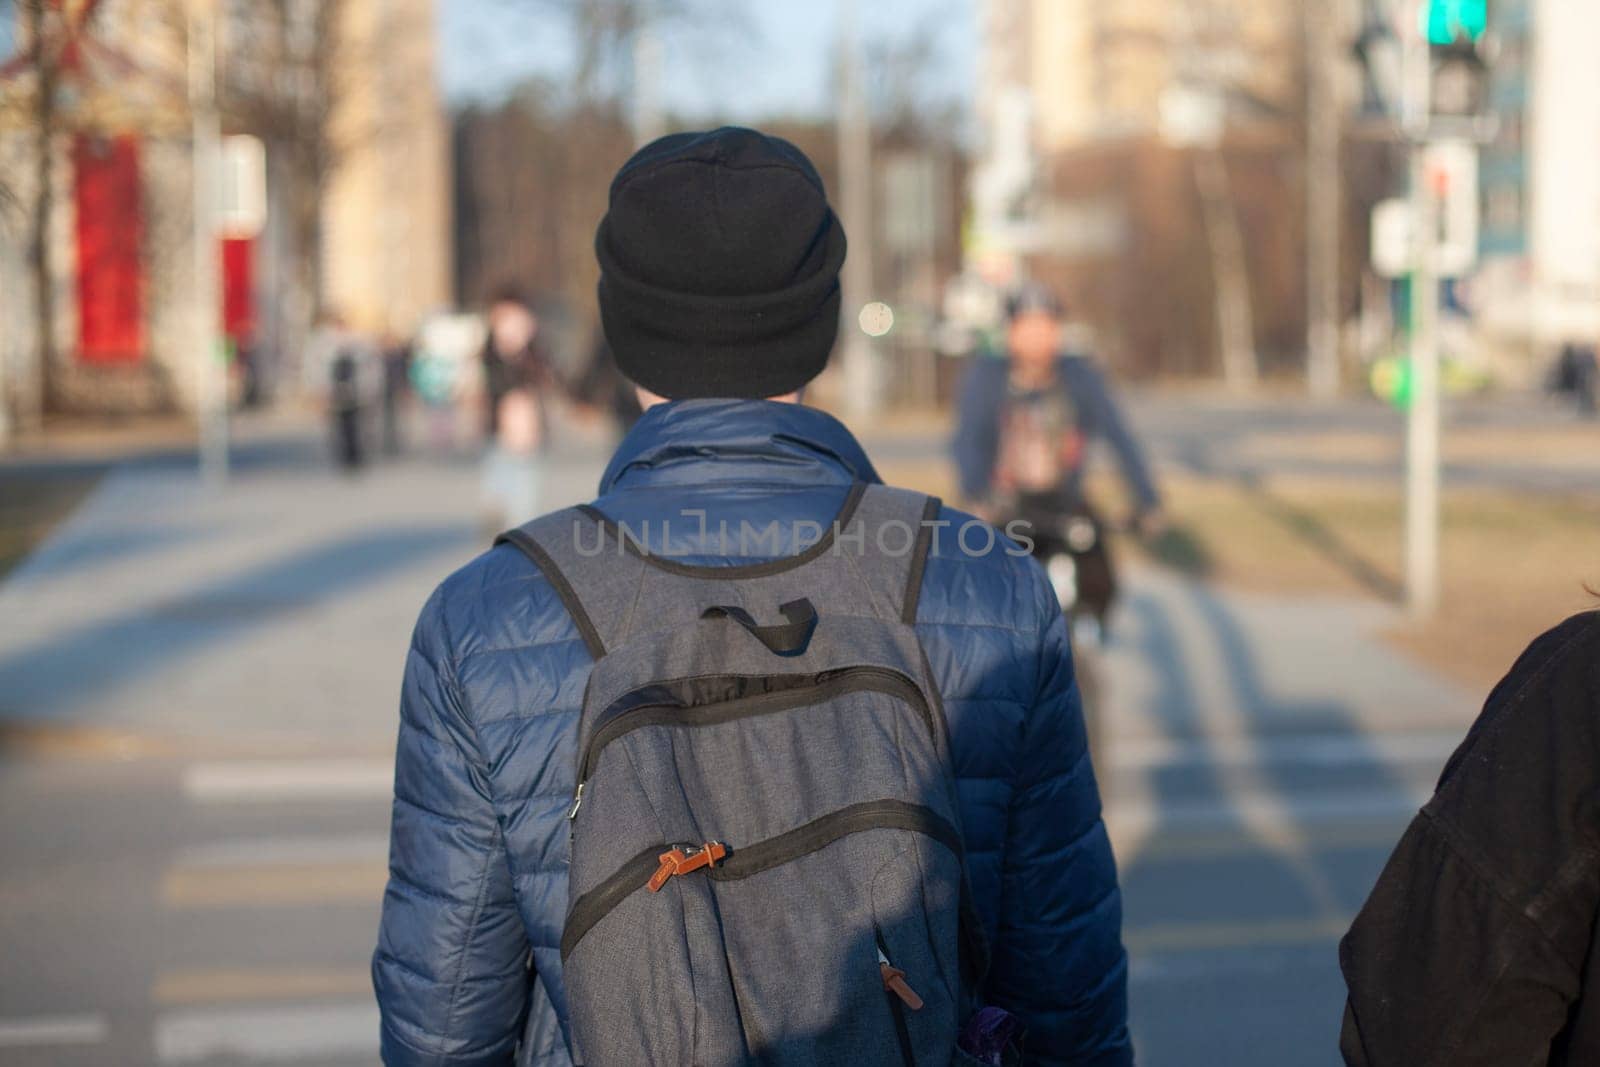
column 1452, row 22
column 1455, row 31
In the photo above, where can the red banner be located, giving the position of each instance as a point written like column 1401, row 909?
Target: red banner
column 110, row 238
column 238, row 289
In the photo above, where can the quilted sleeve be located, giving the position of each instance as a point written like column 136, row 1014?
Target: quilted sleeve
column 450, row 971
column 1058, row 961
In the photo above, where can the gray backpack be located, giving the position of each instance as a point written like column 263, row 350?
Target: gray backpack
column 766, row 849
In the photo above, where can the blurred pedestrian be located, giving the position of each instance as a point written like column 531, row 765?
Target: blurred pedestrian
column 445, row 376
column 1578, row 376
column 1479, row 946
column 516, row 381
column 343, row 373
column 396, row 389
column 876, row 856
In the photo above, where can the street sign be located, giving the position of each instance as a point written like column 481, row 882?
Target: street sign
column 1452, row 174
column 1393, row 243
column 1451, row 169
column 242, row 210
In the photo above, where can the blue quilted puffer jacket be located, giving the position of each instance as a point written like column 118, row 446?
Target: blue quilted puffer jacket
column 489, row 716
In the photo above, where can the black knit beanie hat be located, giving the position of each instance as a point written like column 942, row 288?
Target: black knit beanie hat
column 719, row 266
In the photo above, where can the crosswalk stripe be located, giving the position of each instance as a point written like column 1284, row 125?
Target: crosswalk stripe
column 286, row 850
column 179, row 988
column 1213, row 844
column 1319, row 750
column 267, row 781
column 258, row 886
column 47, row 1030
column 1298, row 809
column 1208, row 936
column 310, row 1033
column 1257, row 820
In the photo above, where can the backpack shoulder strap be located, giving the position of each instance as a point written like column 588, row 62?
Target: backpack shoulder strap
column 571, row 550
column 890, row 536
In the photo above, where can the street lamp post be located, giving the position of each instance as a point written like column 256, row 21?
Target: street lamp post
column 1422, row 420
column 858, row 358
column 1322, row 201
column 649, row 116
column 1422, row 425
column 211, row 369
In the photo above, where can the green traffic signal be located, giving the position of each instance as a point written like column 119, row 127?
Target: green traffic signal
column 1444, row 22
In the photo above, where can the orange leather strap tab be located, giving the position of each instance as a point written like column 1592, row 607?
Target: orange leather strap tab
column 894, row 980
column 683, row 860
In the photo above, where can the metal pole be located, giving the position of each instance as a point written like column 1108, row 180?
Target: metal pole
column 1230, row 271
column 6, row 343
column 212, row 381
column 649, row 118
column 861, row 384
column 1422, row 430
column 1422, row 427
column 1322, row 203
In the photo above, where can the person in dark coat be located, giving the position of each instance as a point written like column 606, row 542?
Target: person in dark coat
column 517, row 379
column 468, row 967
column 1479, row 944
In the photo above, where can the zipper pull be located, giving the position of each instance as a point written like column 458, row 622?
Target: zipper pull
column 894, row 981
column 682, row 860
column 577, row 802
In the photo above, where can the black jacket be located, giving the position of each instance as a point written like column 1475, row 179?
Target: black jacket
column 1478, row 944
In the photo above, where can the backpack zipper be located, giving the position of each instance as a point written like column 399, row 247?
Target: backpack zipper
column 618, row 722
column 900, row 997
column 737, row 863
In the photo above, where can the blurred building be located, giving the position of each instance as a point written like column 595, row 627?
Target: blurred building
column 351, row 173
column 1102, row 70
column 1094, row 119
column 1539, row 282
column 386, row 246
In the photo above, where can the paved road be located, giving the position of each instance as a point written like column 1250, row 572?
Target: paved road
column 1215, row 437
column 200, row 689
column 1257, row 439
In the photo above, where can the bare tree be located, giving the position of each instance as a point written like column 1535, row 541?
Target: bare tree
column 532, row 172
column 290, row 72
column 8, row 18
column 46, row 34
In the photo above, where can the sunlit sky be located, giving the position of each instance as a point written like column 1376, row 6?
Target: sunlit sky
column 775, row 63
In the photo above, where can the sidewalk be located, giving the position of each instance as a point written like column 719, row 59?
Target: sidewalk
column 277, row 609
column 1263, row 754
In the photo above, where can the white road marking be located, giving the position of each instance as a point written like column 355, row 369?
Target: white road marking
column 44, row 1030
column 286, row 851
column 1252, row 821
column 1210, row 967
column 313, row 1033
column 1260, row 811
column 1220, row 935
column 1316, row 750
column 264, row 781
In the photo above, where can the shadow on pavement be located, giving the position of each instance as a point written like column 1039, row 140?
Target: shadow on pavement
column 1324, row 541
column 51, row 677
column 1236, row 898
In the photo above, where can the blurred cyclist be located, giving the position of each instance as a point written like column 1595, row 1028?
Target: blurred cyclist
column 1025, row 423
